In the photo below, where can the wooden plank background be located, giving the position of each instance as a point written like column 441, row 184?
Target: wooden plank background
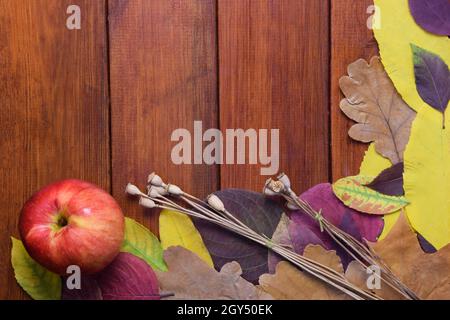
column 100, row 103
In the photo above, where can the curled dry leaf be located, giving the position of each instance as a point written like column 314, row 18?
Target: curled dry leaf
column 372, row 101
column 427, row 274
column 189, row 277
column 289, row 283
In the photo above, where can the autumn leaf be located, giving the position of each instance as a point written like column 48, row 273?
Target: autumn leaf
column 280, row 236
column 394, row 40
column 128, row 277
column 258, row 213
column 353, row 192
column 189, row 277
column 304, row 230
column 289, row 283
column 389, row 181
column 432, row 15
column 427, row 274
column 37, row 281
column 432, row 79
column 177, row 229
column 357, row 274
column 426, row 177
column 142, row 243
column 372, row 101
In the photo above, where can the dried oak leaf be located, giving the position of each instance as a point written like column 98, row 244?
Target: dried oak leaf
column 189, row 277
column 372, row 101
column 427, row 274
column 289, row 283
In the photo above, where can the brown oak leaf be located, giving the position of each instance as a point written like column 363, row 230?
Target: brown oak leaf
column 289, row 283
column 372, row 101
column 189, row 277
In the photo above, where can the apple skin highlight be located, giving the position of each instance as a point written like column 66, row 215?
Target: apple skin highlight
column 72, row 222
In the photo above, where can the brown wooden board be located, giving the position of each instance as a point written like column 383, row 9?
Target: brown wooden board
column 163, row 77
column 274, row 66
column 351, row 39
column 54, row 107
column 249, row 64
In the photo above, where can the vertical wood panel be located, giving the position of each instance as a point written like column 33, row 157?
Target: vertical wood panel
column 163, row 77
column 54, row 107
column 274, row 67
column 350, row 40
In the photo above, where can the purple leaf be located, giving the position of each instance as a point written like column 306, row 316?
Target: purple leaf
column 304, row 230
column 425, row 245
column 432, row 78
column 126, row 278
column 432, row 15
column 257, row 212
column 389, row 181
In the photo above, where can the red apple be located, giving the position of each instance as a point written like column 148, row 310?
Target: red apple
column 72, row 222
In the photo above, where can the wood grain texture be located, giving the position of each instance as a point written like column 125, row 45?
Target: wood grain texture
column 351, row 39
column 54, row 107
column 163, row 77
column 274, row 66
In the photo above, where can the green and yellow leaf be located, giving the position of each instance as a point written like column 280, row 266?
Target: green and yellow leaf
column 373, row 164
column 354, row 194
column 143, row 244
column 36, row 280
column 177, row 229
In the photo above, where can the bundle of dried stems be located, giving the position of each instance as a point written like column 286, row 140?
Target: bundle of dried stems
column 162, row 195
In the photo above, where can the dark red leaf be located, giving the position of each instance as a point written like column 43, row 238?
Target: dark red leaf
column 305, row 230
column 126, row 278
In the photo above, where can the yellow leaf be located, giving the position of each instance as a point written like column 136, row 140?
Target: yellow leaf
column 427, row 156
column 372, row 165
column 177, row 229
column 427, row 180
column 37, row 281
column 397, row 32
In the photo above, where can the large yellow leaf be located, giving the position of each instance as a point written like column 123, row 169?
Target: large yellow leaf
column 427, row 156
column 398, row 31
column 177, row 229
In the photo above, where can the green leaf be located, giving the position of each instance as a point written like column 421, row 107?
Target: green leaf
column 143, row 244
column 354, row 194
column 37, row 281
